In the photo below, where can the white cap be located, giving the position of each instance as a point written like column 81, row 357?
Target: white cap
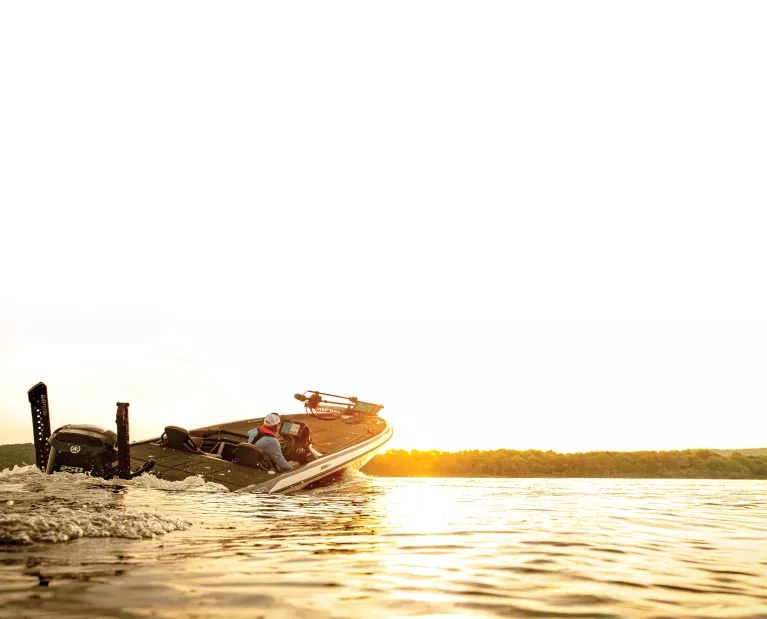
column 272, row 419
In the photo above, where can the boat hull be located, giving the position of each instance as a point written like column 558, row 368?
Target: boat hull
column 351, row 458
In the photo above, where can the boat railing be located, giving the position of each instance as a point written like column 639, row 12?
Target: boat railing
column 318, row 402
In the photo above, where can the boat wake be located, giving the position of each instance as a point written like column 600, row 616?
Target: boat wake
column 62, row 524
column 32, row 479
column 190, row 484
column 35, row 507
column 349, row 481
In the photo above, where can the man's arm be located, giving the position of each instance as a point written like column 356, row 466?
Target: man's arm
column 272, row 447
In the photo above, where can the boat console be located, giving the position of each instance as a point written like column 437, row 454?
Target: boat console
column 296, row 441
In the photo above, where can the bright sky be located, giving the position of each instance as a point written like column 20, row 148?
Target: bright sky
column 514, row 224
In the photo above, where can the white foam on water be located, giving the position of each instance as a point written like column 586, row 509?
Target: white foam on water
column 66, row 506
column 190, row 484
column 350, row 481
column 61, row 524
column 32, row 478
column 19, row 473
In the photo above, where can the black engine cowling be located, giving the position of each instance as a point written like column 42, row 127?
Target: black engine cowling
column 79, row 448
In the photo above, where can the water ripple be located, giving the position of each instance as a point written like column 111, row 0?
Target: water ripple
column 382, row 547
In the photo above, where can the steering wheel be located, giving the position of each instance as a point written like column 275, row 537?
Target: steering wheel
column 288, row 444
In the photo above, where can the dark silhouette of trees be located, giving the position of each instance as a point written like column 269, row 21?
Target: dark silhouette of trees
column 19, row 454
column 693, row 464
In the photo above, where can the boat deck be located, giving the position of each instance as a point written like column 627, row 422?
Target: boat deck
column 328, row 437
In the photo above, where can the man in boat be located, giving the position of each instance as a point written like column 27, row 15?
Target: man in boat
column 265, row 438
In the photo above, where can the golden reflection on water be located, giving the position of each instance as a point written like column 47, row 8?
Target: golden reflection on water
column 407, row 547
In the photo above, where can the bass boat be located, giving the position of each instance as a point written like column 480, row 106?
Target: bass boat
column 333, row 433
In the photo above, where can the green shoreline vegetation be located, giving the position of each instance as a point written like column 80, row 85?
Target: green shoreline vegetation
column 688, row 464
column 21, row 454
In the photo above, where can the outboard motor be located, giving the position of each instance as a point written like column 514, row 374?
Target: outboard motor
column 83, row 449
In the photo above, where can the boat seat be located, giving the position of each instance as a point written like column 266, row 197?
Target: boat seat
column 178, row 438
column 250, row 455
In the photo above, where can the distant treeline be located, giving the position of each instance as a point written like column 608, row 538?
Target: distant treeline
column 23, row 453
column 693, row 463
column 746, row 452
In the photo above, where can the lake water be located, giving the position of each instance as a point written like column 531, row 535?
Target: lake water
column 72, row 546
